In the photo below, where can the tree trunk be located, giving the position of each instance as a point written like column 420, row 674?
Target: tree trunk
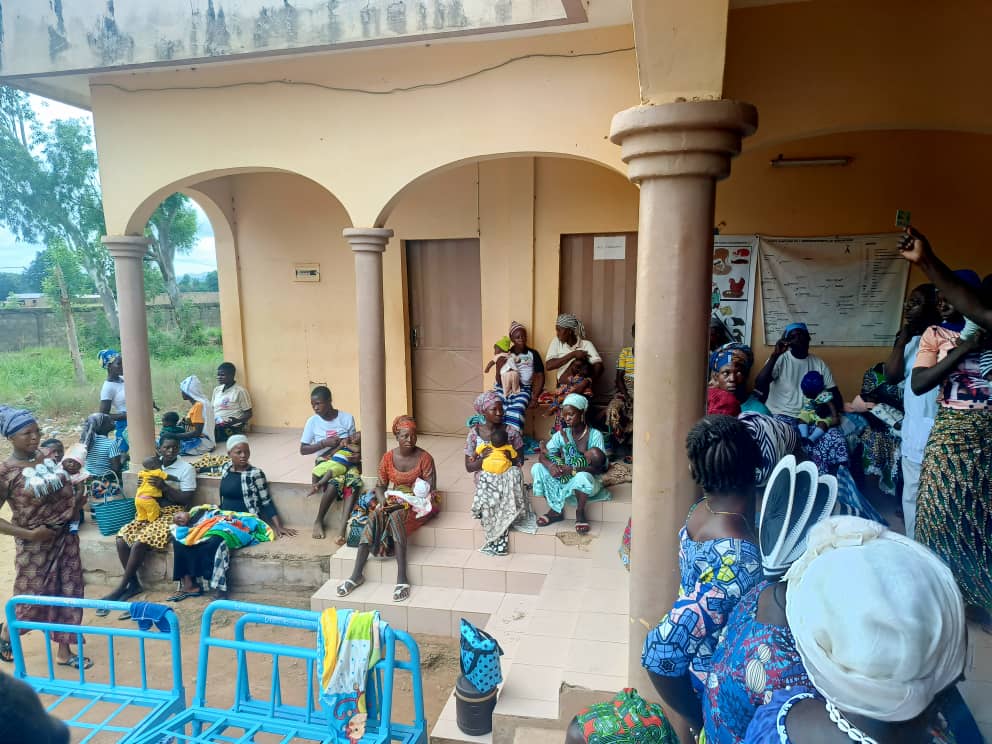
column 70, row 327
column 108, row 300
column 171, row 287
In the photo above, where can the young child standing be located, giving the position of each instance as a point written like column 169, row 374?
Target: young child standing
column 146, row 499
column 501, row 455
column 818, row 415
column 509, row 375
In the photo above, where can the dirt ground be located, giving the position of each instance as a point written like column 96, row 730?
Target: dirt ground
column 439, row 656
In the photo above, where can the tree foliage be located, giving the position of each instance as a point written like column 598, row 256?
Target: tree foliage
column 49, row 188
column 172, row 229
column 203, row 283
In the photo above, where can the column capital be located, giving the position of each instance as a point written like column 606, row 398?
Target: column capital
column 691, row 138
column 126, row 246
column 368, row 238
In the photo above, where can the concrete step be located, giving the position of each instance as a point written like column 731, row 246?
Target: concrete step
column 459, row 530
column 617, row 509
column 291, row 564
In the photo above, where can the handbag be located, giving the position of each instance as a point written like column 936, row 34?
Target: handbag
column 111, row 508
column 480, row 654
column 356, row 527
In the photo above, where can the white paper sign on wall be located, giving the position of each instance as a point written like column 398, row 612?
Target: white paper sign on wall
column 609, row 248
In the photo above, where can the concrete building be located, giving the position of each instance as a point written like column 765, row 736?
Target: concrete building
column 391, row 183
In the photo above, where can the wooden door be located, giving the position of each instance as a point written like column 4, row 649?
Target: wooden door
column 600, row 292
column 445, row 286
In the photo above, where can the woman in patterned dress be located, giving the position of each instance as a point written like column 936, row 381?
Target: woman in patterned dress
column 531, row 368
column 719, row 562
column 394, row 517
column 47, row 561
column 500, row 501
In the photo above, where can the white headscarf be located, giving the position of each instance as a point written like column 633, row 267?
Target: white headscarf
column 191, row 386
column 878, row 619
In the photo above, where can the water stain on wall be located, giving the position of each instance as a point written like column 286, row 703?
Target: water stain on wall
column 218, row 39
column 276, row 23
column 108, row 41
column 58, row 41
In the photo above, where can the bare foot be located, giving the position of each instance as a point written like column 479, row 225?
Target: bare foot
column 340, row 541
column 318, row 531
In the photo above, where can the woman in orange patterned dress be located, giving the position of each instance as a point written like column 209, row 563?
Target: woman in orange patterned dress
column 405, row 498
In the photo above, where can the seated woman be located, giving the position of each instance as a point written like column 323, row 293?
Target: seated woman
column 530, row 367
column 620, row 411
column 726, row 376
column 197, row 439
column 406, row 498
column 719, row 559
column 873, row 680
column 500, row 500
column 570, row 343
column 571, row 467
column 103, row 454
column 204, row 551
column 135, row 538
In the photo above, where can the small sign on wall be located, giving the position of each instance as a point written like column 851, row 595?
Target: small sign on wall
column 308, row 272
column 609, row 248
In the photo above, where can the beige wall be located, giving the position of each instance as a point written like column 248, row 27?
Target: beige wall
column 939, row 176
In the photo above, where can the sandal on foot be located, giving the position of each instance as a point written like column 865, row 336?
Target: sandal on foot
column 131, row 590
column 550, row 518
column 401, row 593
column 76, row 660
column 6, row 650
column 182, row 594
column 582, row 528
column 347, row 586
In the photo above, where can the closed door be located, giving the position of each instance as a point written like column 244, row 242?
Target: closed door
column 445, row 331
column 599, row 288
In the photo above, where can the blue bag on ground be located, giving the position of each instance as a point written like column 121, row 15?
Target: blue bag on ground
column 480, row 654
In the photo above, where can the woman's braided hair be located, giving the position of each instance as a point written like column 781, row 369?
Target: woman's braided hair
column 723, row 455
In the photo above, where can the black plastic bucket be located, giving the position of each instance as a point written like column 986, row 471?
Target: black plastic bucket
column 474, row 710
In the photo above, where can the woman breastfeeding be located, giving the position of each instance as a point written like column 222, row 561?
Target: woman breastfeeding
column 719, row 562
column 500, row 501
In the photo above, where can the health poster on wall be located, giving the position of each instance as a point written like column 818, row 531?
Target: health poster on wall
column 734, row 263
column 847, row 289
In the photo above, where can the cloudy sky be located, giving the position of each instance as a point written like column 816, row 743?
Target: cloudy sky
column 15, row 255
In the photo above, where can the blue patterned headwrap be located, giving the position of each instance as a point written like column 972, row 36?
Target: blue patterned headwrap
column 720, row 359
column 12, row 420
column 795, row 327
column 107, row 356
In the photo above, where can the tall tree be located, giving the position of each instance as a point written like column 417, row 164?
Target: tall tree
column 172, row 229
column 49, row 189
column 63, row 282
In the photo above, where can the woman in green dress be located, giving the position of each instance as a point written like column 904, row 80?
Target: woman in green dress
column 571, row 467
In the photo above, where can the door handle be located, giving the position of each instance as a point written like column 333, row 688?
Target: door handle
column 415, row 337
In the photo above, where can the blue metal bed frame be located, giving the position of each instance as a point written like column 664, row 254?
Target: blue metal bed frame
column 156, row 702
column 300, row 720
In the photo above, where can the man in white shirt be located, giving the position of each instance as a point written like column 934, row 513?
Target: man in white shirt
column 779, row 381
column 570, row 344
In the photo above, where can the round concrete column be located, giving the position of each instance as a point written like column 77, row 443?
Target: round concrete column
column 129, row 252
column 676, row 153
column 369, row 245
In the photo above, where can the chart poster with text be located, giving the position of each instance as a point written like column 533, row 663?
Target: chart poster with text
column 732, row 300
column 848, row 289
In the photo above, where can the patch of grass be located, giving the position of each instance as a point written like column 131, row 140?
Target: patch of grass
column 43, row 381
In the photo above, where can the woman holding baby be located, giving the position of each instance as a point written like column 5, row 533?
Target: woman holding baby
column 519, row 377
column 494, row 452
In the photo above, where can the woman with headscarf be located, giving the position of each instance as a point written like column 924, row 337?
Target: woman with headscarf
column 531, row 370
column 756, row 654
column 112, row 400
column 873, row 680
column 571, row 467
column 500, row 500
column 620, row 411
column 719, row 563
column 406, row 497
column 47, row 561
column 570, row 343
column 726, row 376
column 198, row 438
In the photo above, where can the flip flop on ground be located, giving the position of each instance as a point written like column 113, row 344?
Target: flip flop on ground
column 182, row 594
column 74, row 662
column 401, row 593
column 347, row 586
column 550, row 518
